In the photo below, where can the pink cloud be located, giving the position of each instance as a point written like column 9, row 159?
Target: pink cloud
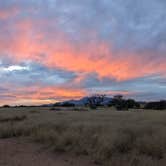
column 58, row 51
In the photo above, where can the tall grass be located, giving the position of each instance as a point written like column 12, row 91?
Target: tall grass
column 129, row 138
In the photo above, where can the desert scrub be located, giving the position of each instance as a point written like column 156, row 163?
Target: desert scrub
column 13, row 119
column 78, row 139
column 10, row 130
column 34, row 112
column 129, row 138
column 151, row 146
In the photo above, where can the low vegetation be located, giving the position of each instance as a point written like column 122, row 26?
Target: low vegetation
column 12, row 119
column 121, row 104
column 109, row 137
column 124, row 104
column 157, row 105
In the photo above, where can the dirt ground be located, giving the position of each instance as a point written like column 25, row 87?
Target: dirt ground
column 15, row 152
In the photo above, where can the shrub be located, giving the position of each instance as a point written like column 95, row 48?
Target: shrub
column 157, row 105
column 13, row 119
column 55, row 109
column 6, row 106
column 95, row 100
column 122, row 104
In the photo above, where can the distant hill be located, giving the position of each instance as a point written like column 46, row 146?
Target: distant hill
column 84, row 101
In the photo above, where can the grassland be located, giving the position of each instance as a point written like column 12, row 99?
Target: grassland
column 109, row 137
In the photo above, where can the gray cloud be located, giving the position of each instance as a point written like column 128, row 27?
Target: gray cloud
column 35, row 74
column 131, row 24
column 128, row 25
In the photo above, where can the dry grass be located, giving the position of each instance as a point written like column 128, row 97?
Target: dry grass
column 129, row 138
column 12, row 119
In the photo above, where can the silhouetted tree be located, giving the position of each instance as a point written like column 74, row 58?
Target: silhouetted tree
column 130, row 103
column 156, row 105
column 96, row 100
column 118, row 102
column 6, row 106
column 121, row 104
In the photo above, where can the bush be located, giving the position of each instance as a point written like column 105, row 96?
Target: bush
column 158, row 105
column 6, row 106
column 96, row 100
column 122, row 104
column 13, row 119
column 130, row 103
column 55, row 109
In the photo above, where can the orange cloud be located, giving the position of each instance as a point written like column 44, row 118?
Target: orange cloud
column 40, row 95
column 58, row 51
column 35, row 95
column 61, row 93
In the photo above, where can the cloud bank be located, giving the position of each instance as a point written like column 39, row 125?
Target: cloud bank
column 47, row 47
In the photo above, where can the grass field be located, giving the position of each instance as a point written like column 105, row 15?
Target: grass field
column 109, row 137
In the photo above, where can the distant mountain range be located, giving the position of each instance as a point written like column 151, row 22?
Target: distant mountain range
column 83, row 101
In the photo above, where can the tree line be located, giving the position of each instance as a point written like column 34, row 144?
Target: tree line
column 117, row 101
column 124, row 104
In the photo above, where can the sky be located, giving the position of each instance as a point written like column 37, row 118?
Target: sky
column 55, row 50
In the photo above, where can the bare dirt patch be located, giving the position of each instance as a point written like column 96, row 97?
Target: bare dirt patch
column 18, row 152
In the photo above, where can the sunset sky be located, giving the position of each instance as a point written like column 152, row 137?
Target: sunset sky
column 54, row 50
